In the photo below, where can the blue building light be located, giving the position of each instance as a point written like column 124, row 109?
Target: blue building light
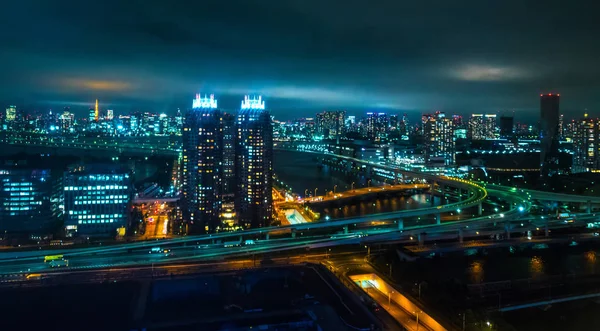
column 204, row 102
column 253, row 103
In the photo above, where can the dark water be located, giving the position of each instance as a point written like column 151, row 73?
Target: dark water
column 374, row 206
column 501, row 264
column 300, row 171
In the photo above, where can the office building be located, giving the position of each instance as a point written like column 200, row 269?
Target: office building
column 549, row 133
column 11, row 113
column 254, row 164
column 506, row 126
column 439, row 140
column 97, row 200
column 483, row 127
column 330, row 124
column 30, row 198
column 202, row 166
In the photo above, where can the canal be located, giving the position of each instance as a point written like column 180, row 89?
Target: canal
column 302, row 173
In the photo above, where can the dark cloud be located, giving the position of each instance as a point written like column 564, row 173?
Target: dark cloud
column 461, row 57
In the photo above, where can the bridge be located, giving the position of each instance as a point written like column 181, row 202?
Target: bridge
column 342, row 231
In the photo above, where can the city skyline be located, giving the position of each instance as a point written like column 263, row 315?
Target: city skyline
column 84, row 110
column 409, row 58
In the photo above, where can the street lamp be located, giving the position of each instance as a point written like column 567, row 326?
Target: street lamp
column 334, row 187
column 417, row 313
column 352, row 186
column 306, row 193
column 316, row 189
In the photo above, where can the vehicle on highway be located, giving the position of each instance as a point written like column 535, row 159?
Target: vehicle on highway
column 59, row 263
column 234, row 243
column 154, row 250
column 49, row 258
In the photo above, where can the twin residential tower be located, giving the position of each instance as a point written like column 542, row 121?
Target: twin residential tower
column 227, row 155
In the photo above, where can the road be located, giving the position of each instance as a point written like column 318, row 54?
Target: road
column 364, row 191
column 188, row 247
column 405, row 318
column 156, row 221
column 346, row 265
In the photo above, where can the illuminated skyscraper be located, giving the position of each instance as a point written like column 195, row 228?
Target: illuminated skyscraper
column 586, row 149
column 228, row 153
column 561, row 126
column 96, row 112
column 109, row 114
column 11, row 113
column 377, row 126
column 482, row 127
column 438, row 132
column 254, row 164
column 549, row 132
column 67, row 120
column 202, row 166
column 330, row 124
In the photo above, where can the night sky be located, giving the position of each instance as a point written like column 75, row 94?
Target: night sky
column 302, row 55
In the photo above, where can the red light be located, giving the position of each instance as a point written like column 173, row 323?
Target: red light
column 550, row 94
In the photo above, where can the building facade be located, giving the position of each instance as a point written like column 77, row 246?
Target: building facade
column 202, row 166
column 483, row 126
column 30, row 199
column 585, row 148
column 228, row 153
column 97, row 200
column 330, row 124
column 11, row 113
column 439, row 140
column 254, row 164
column 377, row 126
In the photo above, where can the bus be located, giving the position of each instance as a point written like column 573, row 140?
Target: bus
column 49, row 258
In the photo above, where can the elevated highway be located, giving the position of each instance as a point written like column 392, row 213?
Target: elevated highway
column 310, row 235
